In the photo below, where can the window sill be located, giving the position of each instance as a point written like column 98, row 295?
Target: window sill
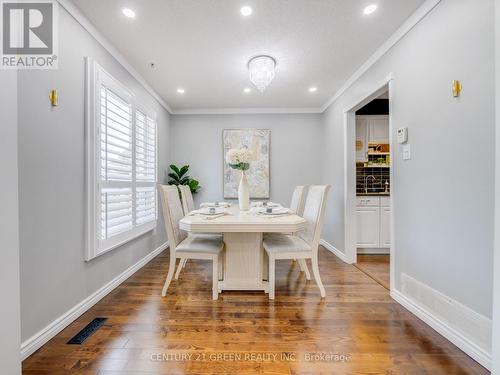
column 137, row 232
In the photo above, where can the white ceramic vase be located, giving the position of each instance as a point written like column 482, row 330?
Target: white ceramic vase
column 243, row 193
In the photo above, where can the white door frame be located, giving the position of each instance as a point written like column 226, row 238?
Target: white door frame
column 350, row 170
column 496, row 264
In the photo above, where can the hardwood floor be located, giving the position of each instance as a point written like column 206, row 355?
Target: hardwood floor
column 375, row 266
column 187, row 332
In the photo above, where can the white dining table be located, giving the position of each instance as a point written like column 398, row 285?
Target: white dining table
column 246, row 262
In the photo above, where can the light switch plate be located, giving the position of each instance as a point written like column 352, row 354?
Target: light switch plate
column 406, row 152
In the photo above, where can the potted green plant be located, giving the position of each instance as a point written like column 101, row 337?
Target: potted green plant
column 178, row 176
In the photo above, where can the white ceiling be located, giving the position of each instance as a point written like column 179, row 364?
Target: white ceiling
column 203, row 46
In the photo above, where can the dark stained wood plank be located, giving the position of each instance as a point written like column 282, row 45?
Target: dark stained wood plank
column 357, row 319
column 377, row 266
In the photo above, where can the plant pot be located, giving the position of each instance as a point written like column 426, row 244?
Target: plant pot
column 243, row 193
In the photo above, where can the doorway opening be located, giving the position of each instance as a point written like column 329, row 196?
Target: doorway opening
column 369, row 188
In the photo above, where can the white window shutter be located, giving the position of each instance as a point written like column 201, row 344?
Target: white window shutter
column 121, row 164
column 116, row 165
column 145, row 158
column 116, row 137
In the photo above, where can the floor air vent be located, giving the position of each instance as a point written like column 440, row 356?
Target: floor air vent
column 86, row 332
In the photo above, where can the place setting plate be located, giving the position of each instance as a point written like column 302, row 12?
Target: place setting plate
column 265, row 204
column 269, row 211
column 215, row 204
column 208, row 211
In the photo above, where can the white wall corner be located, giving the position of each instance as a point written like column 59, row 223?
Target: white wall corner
column 40, row 338
column 464, row 327
column 339, row 254
column 73, row 10
column 404, row 29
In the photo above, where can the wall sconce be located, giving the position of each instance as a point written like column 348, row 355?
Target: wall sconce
column 54, row 98
column 456, row 88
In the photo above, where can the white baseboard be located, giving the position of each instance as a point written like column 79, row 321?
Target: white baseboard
column 446, row 329
column 339, row 254
column 36, row 341
column 374, row 251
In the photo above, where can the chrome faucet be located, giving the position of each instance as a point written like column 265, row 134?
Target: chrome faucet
column 366, row 182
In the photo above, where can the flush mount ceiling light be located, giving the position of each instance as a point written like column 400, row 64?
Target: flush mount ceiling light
column 246, row 11
column 313, row 89
column 370, row 9
column 128, row 12
column 262, row 70
column 246, row 90
column 181, row 91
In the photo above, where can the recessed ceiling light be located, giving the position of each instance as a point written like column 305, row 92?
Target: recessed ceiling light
column 128, row 12
column 313, row 89
column 181, row 91
column 246, row 11
column 246, row 90
column 370, row 9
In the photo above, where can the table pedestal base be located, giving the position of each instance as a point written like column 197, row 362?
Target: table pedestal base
column 245, row 266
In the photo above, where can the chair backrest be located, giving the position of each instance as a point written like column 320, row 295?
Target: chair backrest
column 297, row 203
column 187, row 199
column 314, row 213
column 172, row 214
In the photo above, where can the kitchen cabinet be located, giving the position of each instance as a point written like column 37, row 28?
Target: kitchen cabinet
column 373, row 222
column 367, row 226
column 370, row 129
column 361, row 139
column 378, row 129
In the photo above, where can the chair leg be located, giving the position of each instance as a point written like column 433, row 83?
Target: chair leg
column 179, row 268
column 170, row 274
column 215, row 277
column 184, row 262
column 304, row 268
column 315, row 268
column 271, row 277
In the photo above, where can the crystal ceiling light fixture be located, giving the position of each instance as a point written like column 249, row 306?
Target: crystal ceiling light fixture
column 262, row 70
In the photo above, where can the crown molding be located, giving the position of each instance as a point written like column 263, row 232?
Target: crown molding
column 104, row 42
column 407, row 26
column 245, row 111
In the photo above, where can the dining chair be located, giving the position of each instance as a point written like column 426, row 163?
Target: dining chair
column 303, row 245
column 187, row 199
column 297, row 207
column 186, row 246
column 187, row 207
column 297, row 203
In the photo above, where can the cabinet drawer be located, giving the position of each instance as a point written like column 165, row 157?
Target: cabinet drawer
column 367, row 201
column 368, row 227
column 385, row 202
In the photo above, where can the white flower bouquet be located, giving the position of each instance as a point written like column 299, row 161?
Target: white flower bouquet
column 239, row 158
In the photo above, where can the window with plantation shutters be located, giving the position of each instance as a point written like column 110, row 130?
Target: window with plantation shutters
column 121, row 164
column 145, row 159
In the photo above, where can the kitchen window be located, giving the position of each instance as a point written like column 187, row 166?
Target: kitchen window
column 121, row 164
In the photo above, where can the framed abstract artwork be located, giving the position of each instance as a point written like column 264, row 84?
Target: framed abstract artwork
column 257, row 141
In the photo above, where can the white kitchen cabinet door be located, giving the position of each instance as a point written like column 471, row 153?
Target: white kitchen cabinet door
column 385, row 227
column 378, row 129
column 361, row 139
column 368, row 227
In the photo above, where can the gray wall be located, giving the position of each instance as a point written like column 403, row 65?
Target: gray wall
column 496, row 287
column 444, row 196
column 54, row 275
column 294, row 154
column 10, row 329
